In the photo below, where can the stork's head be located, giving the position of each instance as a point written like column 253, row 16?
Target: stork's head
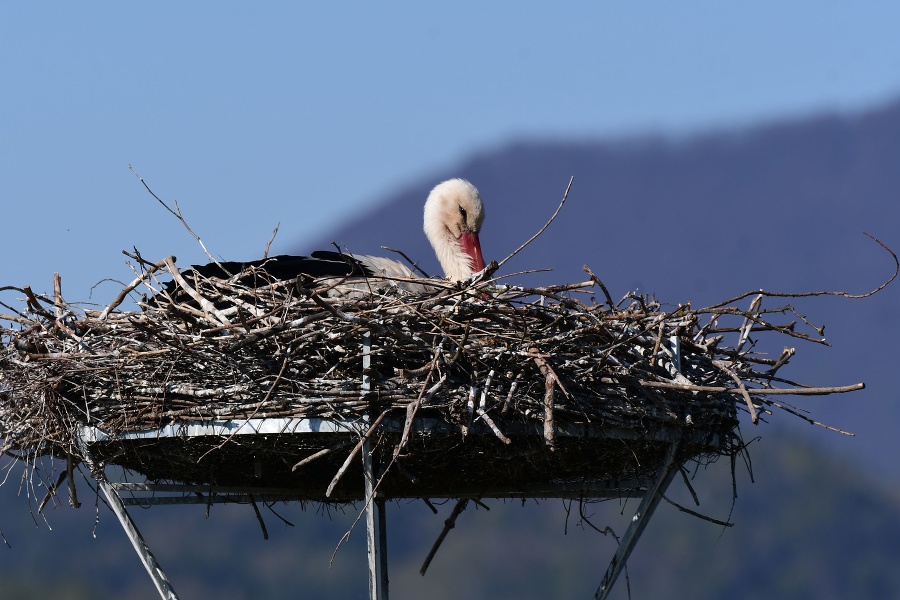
column 453, row 218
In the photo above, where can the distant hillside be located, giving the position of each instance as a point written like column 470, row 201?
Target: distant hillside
column 781, row 207
column 811, row 527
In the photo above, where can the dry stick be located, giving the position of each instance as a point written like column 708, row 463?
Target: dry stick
column 354, row 452
column 57, row 296
column 687, row 484
column 754, row 417
column 751, row 316
column 821, row 293
column 783, row 329
column 449, row 524
column 414, row 265
column 512, row 390
column 58, row 305
column 694, row 513
column 800, row 391
column 178, row 215
column 546, row 225
column 482, row 414
column 811, row 421
column 260, row 334
column 51, row 491
column 786, row 355
column 542, row 363
column 414, row 406
column 128, row 288
column 316, row 455
column 70, row 473
column 596, row 280
column 34, row 304
column 208, row 307
column 271, row 239
column 659, row 336
column 259, row 518
column 549, row 399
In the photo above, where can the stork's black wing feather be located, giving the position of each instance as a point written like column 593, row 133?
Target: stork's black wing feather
column 264, row 271
column 319, row 264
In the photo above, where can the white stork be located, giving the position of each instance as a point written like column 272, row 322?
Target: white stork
column 452, row 220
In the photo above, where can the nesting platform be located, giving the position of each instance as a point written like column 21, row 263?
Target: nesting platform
column 588, row 462
column 215, row 389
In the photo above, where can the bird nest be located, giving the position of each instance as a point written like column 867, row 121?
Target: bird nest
column 464, row 391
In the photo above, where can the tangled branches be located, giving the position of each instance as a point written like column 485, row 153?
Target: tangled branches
column 515, row 365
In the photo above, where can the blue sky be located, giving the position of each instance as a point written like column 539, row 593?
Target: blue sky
column 301, row 114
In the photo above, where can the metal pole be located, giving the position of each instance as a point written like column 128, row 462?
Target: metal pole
column 376, row 536
column 160, row 581
column 163, row 586
column 639, row 521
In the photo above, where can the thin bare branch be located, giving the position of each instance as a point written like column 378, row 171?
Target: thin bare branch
column 177, row 213
column 542, row 229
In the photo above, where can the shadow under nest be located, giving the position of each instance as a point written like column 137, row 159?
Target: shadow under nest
column 478, row 390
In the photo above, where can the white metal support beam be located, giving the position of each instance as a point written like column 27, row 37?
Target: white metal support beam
column 163, row 586
column 160, row 581
column 639, row 522
column 376, row 534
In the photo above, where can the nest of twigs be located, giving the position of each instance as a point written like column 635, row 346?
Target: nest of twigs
column 478, row 390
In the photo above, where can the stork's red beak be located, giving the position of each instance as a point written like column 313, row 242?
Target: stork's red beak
column 472, row 246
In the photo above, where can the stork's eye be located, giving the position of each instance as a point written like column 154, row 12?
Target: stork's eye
column 462, row 212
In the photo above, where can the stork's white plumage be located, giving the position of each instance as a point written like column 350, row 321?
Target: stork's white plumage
column 453, row 217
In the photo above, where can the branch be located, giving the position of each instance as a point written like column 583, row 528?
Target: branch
column 449, row 524
column 824, row 292
column 128, row 288
column 546, row 225
column 799, row 391
column 178, row 215
column 414, row 265
column 271, row 239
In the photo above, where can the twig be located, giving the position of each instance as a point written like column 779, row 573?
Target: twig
column 596, row 280
column 487, row 419
column 797, row 391
column 128, row 288
column 550, row 381
column 694, row 513
column 413, row 406
column 70, row 474
column 354, row 452
column 315, row 455
column 542, row 229
column 262, row 523
column 271, row 239
column 178, row 215
column 812, row 421
column 414, row 265
column 449, row 524
column 820, row 293
column 754, row 418
column 51, row 491
column 207, row 306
